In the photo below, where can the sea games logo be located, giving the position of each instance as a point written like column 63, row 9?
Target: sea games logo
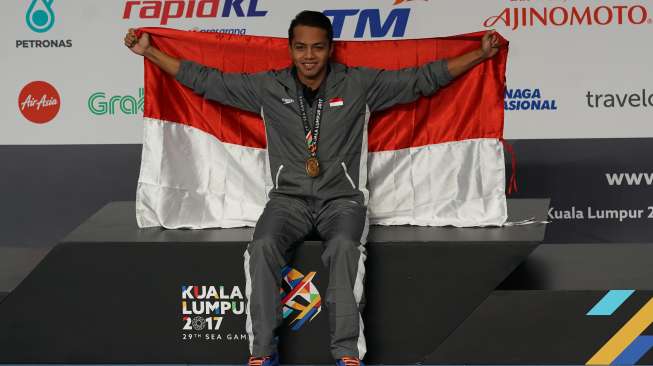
column 596, row 15
column 204, row 309
column 40, row 18
column 165, row 11
column 39, row 102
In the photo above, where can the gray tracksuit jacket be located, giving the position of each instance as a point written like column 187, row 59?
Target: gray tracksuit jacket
column 342, row 146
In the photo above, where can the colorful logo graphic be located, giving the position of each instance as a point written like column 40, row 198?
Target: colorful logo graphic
column 39, row 16
column 628, row 345
column 99, row 104
column 39, row 102
column 300, row 298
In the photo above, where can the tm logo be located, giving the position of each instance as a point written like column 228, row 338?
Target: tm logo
column 99, row 104
column 39, row 16
column 370, row 19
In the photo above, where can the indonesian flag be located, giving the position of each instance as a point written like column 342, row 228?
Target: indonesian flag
column 438, row 161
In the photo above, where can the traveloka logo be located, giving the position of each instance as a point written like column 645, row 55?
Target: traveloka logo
column 570, row 16
column 99, row 104
column 39, row 16
column 527, row 100
column 300, row 297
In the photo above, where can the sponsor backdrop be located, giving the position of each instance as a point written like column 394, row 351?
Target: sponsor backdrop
column 579, row 93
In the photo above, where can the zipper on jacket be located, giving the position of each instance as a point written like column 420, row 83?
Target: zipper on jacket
column 276, row 180
column 344, row 167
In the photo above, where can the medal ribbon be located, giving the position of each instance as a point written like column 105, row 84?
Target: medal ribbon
column 313, row 135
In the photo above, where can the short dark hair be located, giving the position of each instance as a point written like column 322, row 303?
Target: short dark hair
column 311, row 19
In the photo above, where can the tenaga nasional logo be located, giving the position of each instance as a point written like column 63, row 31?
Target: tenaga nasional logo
column 39, row 102
column 40, row 18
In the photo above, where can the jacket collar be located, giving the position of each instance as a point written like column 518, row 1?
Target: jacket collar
column 335, row 76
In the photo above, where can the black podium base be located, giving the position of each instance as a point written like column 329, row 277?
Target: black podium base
column 111, row 293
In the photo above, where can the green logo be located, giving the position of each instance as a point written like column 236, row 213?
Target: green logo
column 99, row 104
column 39, row 16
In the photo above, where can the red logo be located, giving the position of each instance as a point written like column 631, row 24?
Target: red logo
column 39, row 102
column 558, row 16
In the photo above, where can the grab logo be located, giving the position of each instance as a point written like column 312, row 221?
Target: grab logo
column 39, row 102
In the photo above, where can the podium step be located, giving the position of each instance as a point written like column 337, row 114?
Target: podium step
column 110, row 293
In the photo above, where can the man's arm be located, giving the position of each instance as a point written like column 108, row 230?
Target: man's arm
column 234, row 89
column 461, row 64
column 388, row 88
column 141, row 46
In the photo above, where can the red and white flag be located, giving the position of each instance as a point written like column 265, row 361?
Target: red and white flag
column 438, row 161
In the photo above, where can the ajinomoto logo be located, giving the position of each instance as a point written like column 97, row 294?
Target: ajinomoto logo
column 40, row 16
column 39, row 102
column 537, row 13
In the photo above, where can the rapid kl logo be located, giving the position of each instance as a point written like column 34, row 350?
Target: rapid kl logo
column 167, row 10
column 39, row 16
column 595, row 15
column 371, row 20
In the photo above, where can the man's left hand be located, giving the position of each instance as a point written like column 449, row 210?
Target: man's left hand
column 490, row 44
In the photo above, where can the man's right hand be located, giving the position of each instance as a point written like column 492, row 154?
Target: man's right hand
column 137, row 45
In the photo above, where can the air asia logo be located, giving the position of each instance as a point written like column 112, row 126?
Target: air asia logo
column 300, row 298
column 620, row 100
column 99, row 104
column 39, row 102
column 167, row 10
column 204, row 310
column 527, row 100
column 570, row 16
column 39, row 16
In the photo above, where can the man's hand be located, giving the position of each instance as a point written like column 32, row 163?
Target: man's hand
column 137, row 45
column 490, row 44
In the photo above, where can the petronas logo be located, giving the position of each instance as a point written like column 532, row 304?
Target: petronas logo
column 39, row 16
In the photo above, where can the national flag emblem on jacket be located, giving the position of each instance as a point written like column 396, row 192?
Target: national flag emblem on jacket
column 336, row 102
column 433, row 162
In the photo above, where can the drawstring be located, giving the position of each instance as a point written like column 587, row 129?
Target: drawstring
column 512, row 182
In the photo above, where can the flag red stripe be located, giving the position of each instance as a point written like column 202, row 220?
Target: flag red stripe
column 471, row 107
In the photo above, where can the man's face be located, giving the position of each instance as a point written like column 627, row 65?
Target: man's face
column 310, row 50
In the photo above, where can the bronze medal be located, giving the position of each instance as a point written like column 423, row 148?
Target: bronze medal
column 312, row 167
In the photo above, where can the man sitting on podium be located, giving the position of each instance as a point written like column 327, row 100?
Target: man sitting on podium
column 316, row 114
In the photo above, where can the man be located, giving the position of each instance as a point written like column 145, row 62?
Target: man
column 316, row 114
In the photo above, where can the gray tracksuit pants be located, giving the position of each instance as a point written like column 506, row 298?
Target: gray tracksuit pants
column 285, row 222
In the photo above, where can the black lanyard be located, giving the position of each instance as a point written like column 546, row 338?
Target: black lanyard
column 313, row 135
